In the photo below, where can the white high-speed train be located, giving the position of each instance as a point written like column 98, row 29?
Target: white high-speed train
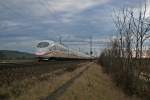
column 49, row 50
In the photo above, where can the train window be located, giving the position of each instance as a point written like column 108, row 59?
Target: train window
column 43, row 44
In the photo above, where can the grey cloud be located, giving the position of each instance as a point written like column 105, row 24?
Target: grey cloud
column 27, row 21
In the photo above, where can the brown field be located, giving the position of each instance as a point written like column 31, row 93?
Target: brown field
column 16, row 78
column 61, row 80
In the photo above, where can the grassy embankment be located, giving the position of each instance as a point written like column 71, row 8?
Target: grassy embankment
column 94, row 85
column 132, row 75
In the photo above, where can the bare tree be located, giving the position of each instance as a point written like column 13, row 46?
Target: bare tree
column 140, row 28
column 123, row 23
column 133, row 30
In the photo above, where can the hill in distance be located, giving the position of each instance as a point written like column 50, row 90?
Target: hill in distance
column 12, row 55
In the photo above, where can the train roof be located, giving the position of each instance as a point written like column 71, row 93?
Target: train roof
column 51, row 44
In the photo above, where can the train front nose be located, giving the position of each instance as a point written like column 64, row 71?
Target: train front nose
column 40, row 53
column 42, row 48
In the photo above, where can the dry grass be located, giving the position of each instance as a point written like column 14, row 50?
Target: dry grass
column 43, row 89
column 94, row 85
column 38, row 87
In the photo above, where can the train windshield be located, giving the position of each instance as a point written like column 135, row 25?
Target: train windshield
column 43, row 44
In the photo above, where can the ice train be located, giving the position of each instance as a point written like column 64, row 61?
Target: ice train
column 50, row 50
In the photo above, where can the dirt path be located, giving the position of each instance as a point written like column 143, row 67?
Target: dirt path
column 93, row 84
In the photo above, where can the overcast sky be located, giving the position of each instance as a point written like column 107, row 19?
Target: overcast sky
column 25, row 22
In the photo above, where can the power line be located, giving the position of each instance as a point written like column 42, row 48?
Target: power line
column 86, row 42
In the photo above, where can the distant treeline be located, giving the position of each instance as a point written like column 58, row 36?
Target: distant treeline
column 13, row 55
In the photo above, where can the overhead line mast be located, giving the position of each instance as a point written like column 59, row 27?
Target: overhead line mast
column 91, row 44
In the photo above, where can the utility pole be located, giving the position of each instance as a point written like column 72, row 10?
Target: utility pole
column 68, row 51
column 60, row 40
column 79, row 49
column 91, row 46
column 95, row 53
